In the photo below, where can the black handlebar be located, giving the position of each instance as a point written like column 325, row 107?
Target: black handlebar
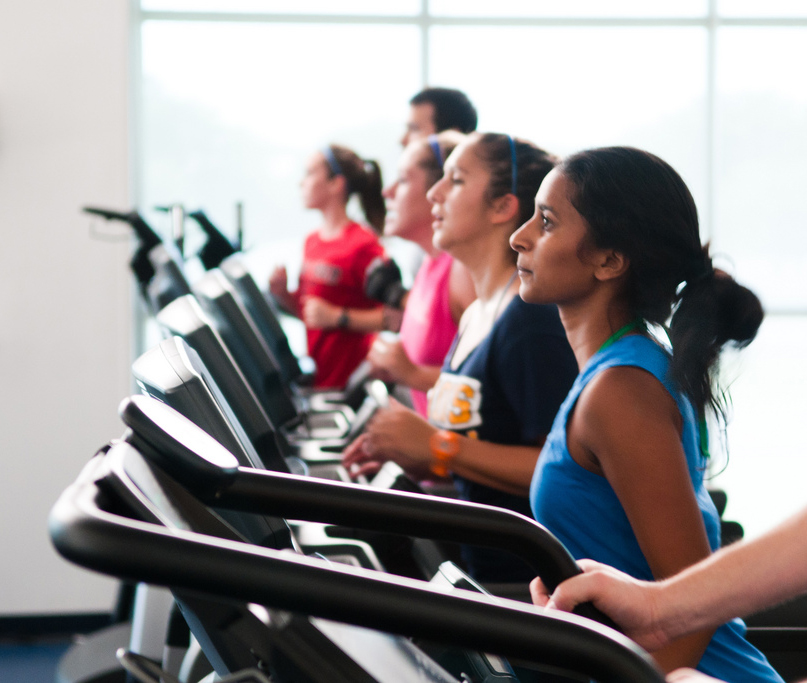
column 143, row 230
column 218, row 247
column 85, row 532
column 228, row 486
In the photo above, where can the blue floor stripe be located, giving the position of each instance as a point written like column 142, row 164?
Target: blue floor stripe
column 30, row 663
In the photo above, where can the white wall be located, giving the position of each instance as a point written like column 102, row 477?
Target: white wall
column 65, row 320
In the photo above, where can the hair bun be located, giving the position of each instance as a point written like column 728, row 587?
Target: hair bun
column 711, row 312
column 740, row 310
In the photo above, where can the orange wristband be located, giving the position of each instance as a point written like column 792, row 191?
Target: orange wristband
column 445, row 446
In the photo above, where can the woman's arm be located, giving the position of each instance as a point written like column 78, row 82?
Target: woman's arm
column 627, row 428
column 319, row 314
column 391, row 361
column 399, row 434
column 507, row 468
column 390, row 358
column 278, row 286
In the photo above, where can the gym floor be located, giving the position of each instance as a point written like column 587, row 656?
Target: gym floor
column 30, row 662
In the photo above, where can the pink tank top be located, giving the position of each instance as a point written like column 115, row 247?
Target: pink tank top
column 427, row 329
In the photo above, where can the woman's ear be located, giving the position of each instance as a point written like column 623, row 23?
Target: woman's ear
column 338, row 185
column 504, row 209
column 610, row 264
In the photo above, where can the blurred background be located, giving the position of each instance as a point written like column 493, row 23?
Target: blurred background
column 209, row 103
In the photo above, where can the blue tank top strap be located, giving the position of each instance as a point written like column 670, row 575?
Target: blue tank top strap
column 643, row 352
column 634, row 350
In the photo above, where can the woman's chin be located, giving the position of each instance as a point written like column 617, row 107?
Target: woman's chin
column 528, row 293
column 438, row 240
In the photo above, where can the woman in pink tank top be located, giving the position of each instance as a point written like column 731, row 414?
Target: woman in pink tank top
column 442, row 289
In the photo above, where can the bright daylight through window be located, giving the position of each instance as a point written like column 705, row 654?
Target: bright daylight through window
column 234, row 94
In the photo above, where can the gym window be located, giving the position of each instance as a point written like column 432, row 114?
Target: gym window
column 231, row 96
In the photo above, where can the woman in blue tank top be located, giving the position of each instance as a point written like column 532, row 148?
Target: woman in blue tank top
column 614, row 242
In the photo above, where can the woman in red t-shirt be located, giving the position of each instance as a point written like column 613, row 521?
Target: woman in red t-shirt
column 330, row 299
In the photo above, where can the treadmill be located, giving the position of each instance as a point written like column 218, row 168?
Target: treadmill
column 300, row 618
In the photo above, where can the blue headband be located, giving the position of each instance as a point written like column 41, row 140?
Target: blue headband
column 436, row 149
column 336, row 168
column 514, row 165
column 333, row 164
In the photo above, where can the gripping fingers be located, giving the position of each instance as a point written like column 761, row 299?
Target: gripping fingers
column 355, row 453
column 538, row 592
column 689, row 676
column 368, row 469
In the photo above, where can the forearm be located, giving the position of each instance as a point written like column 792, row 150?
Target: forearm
column 684, row 652
column 399, row 434
column 288, row 302
column 422, row 377
column 737, row 580
column 364, row 320
column 507, row 468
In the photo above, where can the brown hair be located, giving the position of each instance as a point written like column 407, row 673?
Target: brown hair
column 446, row 141
column 637, row 204
column 532, row 166
column 362, row 176
column 452, row 108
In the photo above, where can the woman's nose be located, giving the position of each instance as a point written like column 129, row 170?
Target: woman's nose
column 435, row 193
column 517, row 239
column 389, row 191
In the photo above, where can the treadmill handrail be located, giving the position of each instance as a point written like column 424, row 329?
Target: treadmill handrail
column 329, row 502
column 86, row 534
column 145, row 233
column 399, row 512
column 217, row 247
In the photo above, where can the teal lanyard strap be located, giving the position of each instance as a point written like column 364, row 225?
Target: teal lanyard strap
column 703, row 436
column 635, row 324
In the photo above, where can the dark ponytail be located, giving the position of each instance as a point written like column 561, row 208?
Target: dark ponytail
column 712, row 310
column 636, row 204
column 364, row 178
column 372, row 201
